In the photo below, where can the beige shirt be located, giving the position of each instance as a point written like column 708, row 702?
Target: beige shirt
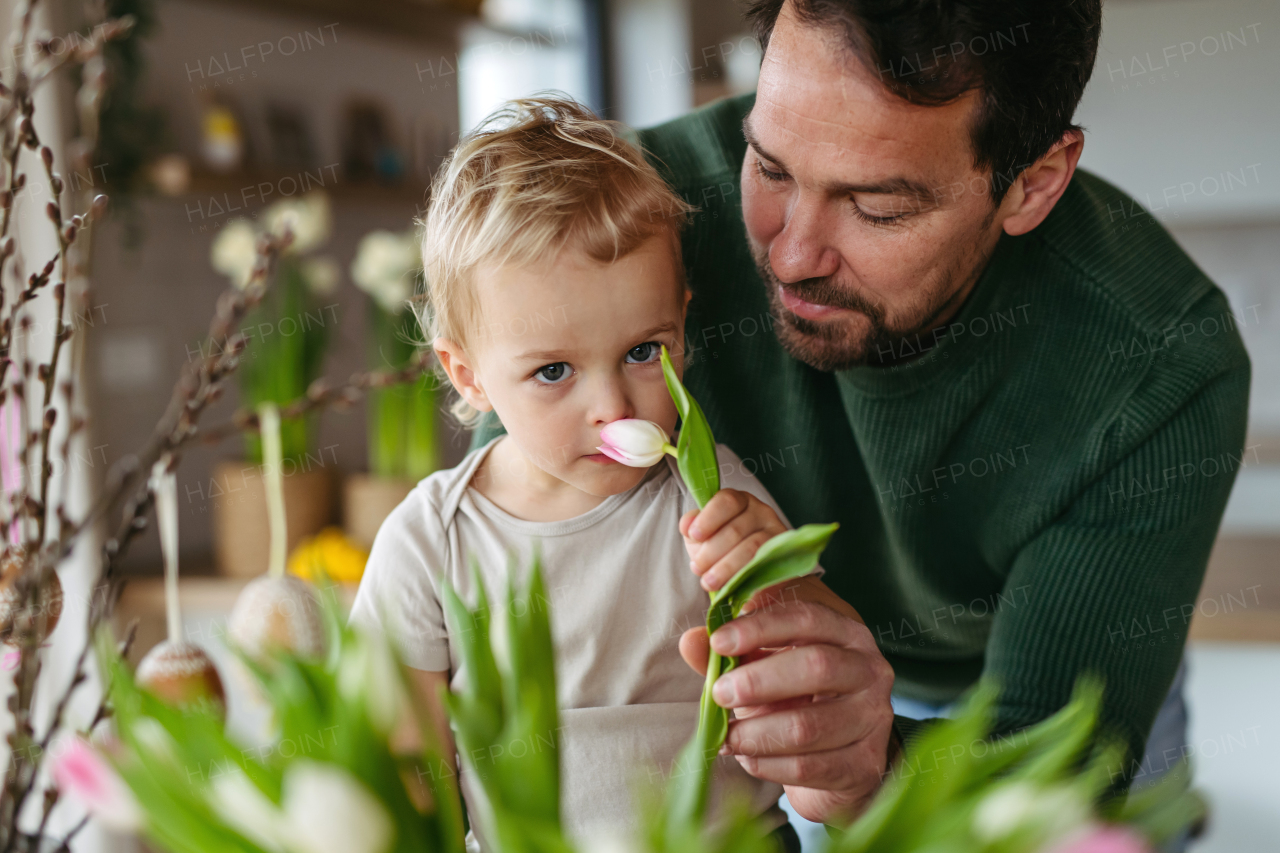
column 621, row 593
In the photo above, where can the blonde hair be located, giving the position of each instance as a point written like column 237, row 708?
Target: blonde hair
column 538, row 176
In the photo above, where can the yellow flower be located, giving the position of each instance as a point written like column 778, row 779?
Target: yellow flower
column 329, row 553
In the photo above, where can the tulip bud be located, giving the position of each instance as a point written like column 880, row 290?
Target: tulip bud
column 635, row 442
column 81, row 773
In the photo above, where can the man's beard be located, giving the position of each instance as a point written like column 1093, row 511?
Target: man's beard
column 835, row 344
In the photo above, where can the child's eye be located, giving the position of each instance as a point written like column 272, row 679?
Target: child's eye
column 553, row 374
column 645, row 352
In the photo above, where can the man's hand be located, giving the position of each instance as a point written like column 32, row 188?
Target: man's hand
column 724, row 535
column 810, row 697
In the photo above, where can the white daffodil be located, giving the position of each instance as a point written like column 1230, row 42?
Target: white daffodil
column 308, row 218
column 321, row 274
column 327, row 810
column 635, row 442
column 244, row 808
column 235, row 251
column 82, row 774
column 386, row 266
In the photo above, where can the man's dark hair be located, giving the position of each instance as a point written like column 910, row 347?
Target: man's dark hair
column 1029, row 59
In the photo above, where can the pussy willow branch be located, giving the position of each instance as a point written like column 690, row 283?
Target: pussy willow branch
column 35, row 569
column 321, row 394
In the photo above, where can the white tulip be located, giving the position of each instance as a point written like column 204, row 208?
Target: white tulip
column 156, row 739
column 1057, row 811
column 234, row 251
column 368, row 673
column 635, row 442
column 327, row 810
column 244, row 808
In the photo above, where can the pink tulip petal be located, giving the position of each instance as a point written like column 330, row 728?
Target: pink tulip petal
column 1108, row 839
column 614, row 454
column 80, row 772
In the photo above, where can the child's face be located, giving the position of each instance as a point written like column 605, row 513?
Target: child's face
column 568, row 347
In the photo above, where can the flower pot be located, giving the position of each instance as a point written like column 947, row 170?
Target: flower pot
column 240, row 528
column 367, row 501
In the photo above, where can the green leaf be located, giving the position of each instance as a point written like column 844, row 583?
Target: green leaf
column 696, row 446
column 786, row 556
column 507, row 722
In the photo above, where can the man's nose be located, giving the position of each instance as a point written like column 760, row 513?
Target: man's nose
column 802, row 249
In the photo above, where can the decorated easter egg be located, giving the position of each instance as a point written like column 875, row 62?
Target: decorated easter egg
column 181, row 674
column 16, row 617
column 277, row 614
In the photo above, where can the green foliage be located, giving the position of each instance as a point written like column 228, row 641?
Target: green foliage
column 696, row 447
column 173, row 758
column 130, row 133
column 959, row 789
column 402, row 418
column 290, row 332
column 505, row 720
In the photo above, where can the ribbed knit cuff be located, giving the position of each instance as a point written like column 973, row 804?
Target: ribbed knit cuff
column 909, row 730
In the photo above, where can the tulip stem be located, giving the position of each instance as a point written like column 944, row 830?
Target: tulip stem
column 670, row 450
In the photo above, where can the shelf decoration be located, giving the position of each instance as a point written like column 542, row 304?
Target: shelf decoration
column 287, row 337
column 277, row 611
column 402, row 442
column 292, row 326
column 176, row 671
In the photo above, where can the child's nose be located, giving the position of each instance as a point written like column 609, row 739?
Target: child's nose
column 610, row 403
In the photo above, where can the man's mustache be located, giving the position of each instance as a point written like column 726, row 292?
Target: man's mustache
column 820, row 291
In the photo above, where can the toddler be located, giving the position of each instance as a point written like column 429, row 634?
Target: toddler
column 552, row 258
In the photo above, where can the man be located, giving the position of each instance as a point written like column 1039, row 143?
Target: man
column 914, row 316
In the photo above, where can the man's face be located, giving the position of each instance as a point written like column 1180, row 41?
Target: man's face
column 865, row 214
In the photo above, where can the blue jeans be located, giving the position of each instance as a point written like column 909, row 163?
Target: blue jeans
column 1168, row 736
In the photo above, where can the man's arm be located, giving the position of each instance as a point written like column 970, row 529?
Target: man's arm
column 1110, row 588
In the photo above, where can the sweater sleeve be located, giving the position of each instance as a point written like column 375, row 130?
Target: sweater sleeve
column 1111, row 585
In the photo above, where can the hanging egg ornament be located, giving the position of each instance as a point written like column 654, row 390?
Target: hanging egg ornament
column 182, row 675
column 16, row 617
column 277, row 614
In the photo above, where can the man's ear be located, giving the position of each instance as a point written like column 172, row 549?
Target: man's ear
column 461, row 373
column 1039, row 187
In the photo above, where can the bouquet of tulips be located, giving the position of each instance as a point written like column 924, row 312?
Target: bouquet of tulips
column 336, row 780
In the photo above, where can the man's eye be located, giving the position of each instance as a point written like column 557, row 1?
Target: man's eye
column 645, row 352
column 769, row 174
column 553, row 374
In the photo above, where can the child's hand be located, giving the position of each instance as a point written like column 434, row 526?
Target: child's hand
column 725, row 534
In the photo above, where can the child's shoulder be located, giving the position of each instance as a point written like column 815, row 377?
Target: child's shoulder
column 431, row 504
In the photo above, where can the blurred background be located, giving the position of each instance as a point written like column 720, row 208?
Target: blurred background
column 230, row 112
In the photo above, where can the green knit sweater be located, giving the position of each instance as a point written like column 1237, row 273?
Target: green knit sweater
column 1033, row 496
